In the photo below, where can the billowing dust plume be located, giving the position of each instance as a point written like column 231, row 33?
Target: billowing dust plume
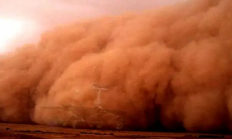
column 169, row 68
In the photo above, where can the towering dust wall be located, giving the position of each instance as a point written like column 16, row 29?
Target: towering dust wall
column 170, row 67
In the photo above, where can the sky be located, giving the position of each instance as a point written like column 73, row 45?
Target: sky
column 37, row 16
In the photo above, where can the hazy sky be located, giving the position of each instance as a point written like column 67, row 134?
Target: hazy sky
column 43, row 14
column 52, row 11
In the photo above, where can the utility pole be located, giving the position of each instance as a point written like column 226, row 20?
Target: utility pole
column 99, row 89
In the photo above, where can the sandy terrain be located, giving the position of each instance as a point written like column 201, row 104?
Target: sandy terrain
column 17, row 131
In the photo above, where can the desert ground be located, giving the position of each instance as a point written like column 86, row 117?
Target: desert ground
column 23, row 131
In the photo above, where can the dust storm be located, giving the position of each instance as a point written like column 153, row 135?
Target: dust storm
column 168, row 68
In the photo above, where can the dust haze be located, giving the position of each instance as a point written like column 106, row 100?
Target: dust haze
column 167, row 68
